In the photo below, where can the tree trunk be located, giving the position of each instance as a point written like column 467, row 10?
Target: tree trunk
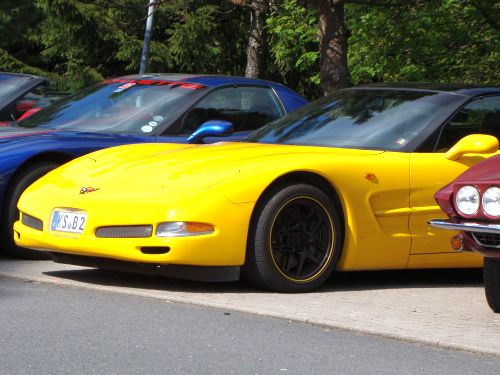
column 257, row 41
column 333, row 74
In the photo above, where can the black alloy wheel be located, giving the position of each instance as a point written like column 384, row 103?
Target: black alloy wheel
column 301, row 238
column 295, row 239
column 11, row 213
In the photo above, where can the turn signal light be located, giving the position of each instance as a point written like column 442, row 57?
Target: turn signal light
column 199, row 228
column 457, row 243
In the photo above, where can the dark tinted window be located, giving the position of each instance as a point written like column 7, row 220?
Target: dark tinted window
column 379, row 119
column 247, row 108
column 481, row 116
column 35, row 99
column 9, row 84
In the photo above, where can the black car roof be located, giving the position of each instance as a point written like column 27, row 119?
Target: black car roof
column 466, row 89
column 24, row 75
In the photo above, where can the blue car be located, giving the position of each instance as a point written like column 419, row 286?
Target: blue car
column 131, row 109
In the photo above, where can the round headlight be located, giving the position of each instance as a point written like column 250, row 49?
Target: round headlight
column 491, row 201
column 467, row 200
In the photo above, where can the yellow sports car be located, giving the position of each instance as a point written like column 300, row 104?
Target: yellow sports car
column 345, row 183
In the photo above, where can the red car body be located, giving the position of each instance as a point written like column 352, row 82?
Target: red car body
column 480, row 230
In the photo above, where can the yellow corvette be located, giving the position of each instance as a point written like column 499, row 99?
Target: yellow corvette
column 345, row 183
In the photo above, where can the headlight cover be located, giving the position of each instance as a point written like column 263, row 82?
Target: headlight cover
column 183, row 229
column 467, row 200
column 491, row 201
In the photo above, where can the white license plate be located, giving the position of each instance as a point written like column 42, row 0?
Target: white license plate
column 66, row 221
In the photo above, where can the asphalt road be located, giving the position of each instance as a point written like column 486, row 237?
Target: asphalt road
column 445, row 308
column 53, row 329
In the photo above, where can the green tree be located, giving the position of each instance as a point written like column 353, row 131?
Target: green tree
column 440, row 41
column 293, row 45
column 257, row 39
column 207, row 37
column 20, row 42
column 388, row 40
column 81, row 41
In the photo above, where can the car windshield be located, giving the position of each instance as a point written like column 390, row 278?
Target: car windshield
column 359, row 118
column 9, row 84
column 118, row 106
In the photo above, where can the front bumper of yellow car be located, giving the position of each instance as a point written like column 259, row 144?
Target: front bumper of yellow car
column 225, row 245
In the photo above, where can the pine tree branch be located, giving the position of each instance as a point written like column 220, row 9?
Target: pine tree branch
column 383, row 3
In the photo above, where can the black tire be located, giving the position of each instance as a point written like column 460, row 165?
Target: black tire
column 11, row 213
column 491, row 272
column 286, row 219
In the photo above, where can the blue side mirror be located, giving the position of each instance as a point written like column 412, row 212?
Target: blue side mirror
column 212, row 128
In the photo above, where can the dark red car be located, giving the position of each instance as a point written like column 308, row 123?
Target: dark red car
column 472, row 202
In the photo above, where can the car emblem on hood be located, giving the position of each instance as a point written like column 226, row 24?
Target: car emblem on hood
column 85, row 190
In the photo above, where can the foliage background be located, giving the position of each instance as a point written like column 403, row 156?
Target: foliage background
column 77, row 42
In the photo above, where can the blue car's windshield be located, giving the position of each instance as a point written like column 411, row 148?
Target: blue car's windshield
column 118, row 106
column 365, row 119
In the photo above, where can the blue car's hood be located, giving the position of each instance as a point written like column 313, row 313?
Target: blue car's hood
column 18, row 134
column 17, row 145
column 58, row 138
column 11, row 132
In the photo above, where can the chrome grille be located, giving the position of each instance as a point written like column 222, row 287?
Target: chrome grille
column 487, row 239
column 31, row 222
column 125, row 231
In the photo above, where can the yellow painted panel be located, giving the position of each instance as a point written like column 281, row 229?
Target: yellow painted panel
column 446, row 260
column 429, row 172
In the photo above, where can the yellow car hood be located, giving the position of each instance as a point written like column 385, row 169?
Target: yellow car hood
column 175, row 173
column 185, row 166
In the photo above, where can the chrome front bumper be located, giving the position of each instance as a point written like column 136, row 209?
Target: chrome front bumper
column 467, row 226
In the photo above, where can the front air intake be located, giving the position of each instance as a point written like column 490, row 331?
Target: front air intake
column 155, row 249
column 125, row 231
column 487, row 239
column 31, row 222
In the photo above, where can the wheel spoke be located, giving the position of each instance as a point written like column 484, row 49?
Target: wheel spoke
column 300, row 266
column 301, row 238
column 296, row 217
column 315, row 227
column 316, row 259
column 291, row 263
